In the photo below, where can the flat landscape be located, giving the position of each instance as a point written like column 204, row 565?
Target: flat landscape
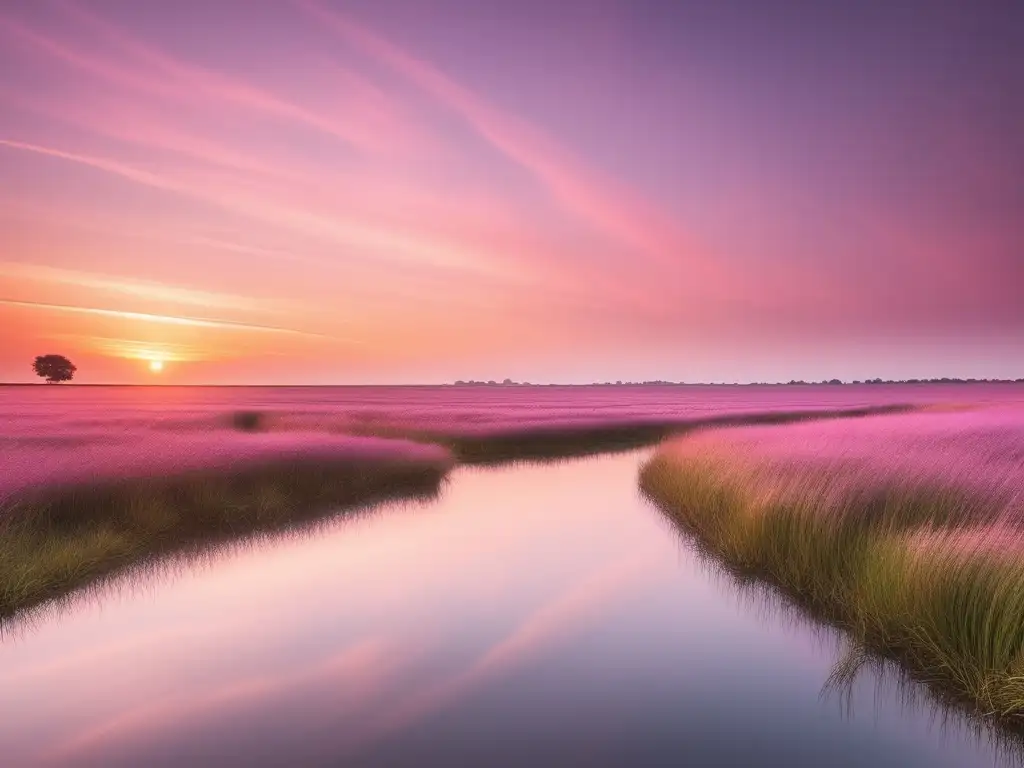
column 888, row 515
column 906, row 530
column 343, row 405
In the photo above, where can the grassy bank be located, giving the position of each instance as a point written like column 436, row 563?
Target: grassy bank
column 68, row 517
column 904, row 531
column 541, row 442
column 57, row 538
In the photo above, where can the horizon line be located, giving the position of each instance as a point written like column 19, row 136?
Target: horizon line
column 487, row 384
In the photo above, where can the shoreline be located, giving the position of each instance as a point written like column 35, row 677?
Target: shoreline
column 81, row 521
column 54, row 541
column 952, row 616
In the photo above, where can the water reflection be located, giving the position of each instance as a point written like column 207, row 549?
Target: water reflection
column 856, row 671
column 539, row 614
column 160, row 567
column 855, row 668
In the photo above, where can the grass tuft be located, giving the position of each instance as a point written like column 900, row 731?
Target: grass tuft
column 248, row 421
column 61, row 539
column 545, row 441
column 921, row 566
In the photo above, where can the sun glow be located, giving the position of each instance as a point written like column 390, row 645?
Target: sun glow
column 156, row 365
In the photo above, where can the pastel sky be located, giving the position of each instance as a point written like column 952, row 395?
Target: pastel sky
column 355, row 191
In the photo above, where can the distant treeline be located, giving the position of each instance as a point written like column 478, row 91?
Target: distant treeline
column 794, row 383
column 912, row 381
column 510, row 383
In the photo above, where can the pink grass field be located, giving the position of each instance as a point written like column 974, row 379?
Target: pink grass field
column 976, row 454
column 31, row 467
column 41, row 413
column 72, row 434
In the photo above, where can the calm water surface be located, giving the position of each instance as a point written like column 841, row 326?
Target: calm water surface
column 534, row 615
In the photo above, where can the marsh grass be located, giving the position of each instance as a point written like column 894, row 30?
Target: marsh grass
column 144, row 575
column 854, row 664
column 65, row 538
column 62, row 537
column 500, row 445
column 953, row 618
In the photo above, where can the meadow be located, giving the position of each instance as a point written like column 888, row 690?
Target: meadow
column 95, row 479
column 72, row 513
column 907, row 531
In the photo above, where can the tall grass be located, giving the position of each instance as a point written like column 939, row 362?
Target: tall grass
column 925, row 567
column 60, row 539
column 71, row 517
column 556, row 438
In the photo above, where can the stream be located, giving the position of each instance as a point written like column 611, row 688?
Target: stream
column 535, row 614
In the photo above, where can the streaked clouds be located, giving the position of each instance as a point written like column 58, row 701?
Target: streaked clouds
column 139, row 288
column 147, row 317
column 373, row 174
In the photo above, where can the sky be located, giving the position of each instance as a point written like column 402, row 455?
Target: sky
column 419, row 191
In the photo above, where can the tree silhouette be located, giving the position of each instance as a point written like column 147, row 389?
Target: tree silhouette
column 54, row 368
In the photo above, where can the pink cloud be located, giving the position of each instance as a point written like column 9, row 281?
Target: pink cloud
column 604, row 204
column 386, row 243
column 677, row 276
column 479, row 235
column 370, row 123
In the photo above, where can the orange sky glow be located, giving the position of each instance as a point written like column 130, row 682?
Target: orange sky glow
column 356, row 193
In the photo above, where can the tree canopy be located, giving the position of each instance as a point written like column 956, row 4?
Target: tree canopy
column 54, row 368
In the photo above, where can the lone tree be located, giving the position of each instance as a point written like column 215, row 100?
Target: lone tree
column 54, row 368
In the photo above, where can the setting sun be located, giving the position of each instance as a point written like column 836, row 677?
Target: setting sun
column 156, row 365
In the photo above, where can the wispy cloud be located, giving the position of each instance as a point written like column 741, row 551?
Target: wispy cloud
column 387, row 244
column 487, row 245
column 384, row 185
column 142, row 349
column 99, row 163
column 138, row 288
column 152, row 127
column 155, row 73
column 673, row 275
column 606, row 205
column 192, row 322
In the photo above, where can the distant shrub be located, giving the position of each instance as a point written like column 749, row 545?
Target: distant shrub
column 247, row 421
column 54, row 368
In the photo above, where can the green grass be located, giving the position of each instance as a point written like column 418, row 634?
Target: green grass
column 953, row 620
column 67, row 539
column 539, row 443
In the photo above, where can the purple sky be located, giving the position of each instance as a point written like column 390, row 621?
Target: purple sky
column 384, row 191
